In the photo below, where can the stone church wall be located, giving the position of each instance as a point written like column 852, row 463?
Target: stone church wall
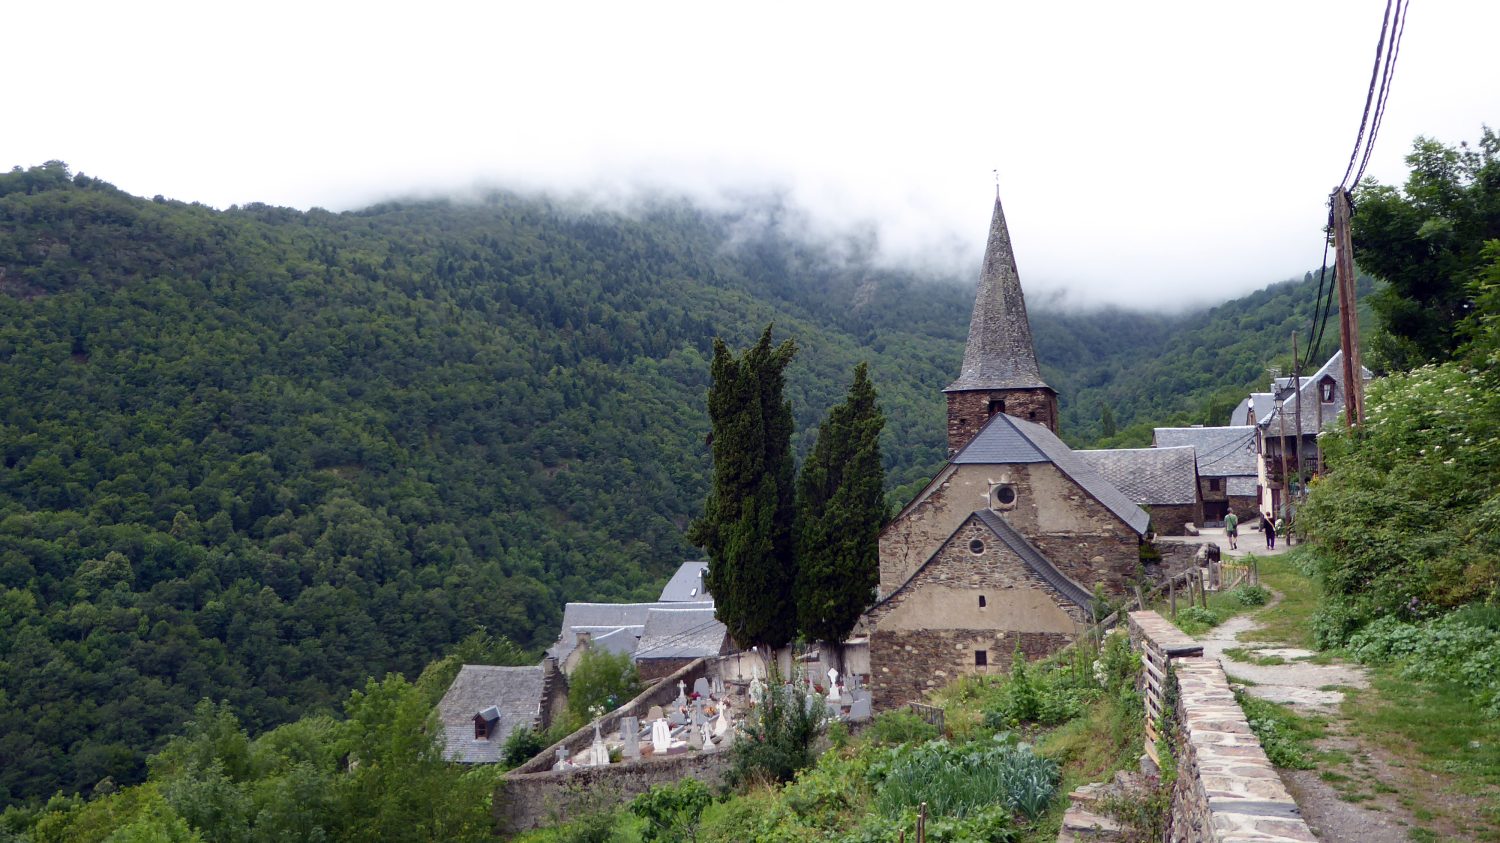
column 1081, row 536
column 927, row 633
column 969, row 410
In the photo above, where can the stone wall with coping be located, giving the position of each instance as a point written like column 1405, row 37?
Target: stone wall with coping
column 1227, row 791
column 662, row 693
column 524, row 801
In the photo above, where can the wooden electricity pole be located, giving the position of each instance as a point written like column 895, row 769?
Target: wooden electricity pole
column 1354, row 385
column 1297, row 391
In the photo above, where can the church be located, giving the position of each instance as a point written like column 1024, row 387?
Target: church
column 1005, row 547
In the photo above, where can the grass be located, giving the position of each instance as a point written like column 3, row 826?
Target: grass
column 1289, row 621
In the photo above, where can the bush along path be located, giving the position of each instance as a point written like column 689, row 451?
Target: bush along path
column 1304, row 706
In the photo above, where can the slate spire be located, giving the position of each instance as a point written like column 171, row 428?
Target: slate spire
column 1000, row 354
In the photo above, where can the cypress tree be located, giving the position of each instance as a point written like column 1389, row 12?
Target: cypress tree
column 840, row 511
column 746, row 528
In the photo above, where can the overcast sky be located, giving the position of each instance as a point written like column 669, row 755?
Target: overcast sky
column 1148, row 153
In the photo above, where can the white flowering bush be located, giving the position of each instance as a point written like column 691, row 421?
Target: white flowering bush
column 1407, row 522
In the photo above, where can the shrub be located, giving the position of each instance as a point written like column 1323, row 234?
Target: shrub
column 901, row 726
column 671, row 812
column 522, row 745
column 778, row 735
column 960, row 781
column 601, row 680
column 1252, row 595
column 1461, row 647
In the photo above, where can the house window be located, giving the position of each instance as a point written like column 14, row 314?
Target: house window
column 1325, row 389
column 981, row 658
column 1213, row 484
column 976, row 547
column 997, row 405
column 981, row 601
column 481, row 729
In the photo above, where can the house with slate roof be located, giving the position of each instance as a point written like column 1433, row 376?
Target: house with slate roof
column 485, row 704
column 674, row 637
column 1318, row 400
column 1005, row 546
column 1164, row 481
column 1226, row 467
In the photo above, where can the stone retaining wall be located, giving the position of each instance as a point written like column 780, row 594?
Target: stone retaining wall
column 527, row 801
column 1226, row 791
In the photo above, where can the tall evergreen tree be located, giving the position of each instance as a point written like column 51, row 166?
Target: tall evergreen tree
column 746, row 527
column 840, row 510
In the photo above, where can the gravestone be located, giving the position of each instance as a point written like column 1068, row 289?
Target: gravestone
column 654, row 713
column 701, row 688
column 630, row 737
column 661, row 737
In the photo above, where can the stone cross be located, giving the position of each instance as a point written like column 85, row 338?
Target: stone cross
column 681, row 692
column 562, row 760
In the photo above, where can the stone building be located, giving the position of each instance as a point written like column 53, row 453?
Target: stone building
column 1317, row 401
column 1005, row 546
column 1226, row 467
column 485, row 704
column 1162, row 480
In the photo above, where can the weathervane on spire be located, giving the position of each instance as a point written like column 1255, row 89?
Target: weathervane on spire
column 996, row 171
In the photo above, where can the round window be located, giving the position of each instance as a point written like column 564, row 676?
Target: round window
column 1005, row 495
column 976, row 547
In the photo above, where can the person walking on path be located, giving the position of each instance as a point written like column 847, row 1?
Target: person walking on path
column 1231, row 530
column 1269, row 529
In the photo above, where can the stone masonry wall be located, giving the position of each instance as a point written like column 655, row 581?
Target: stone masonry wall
column 526, row 801
column 969, row 410
column 908, row 659
column 1169, row 519
column 1227, row 791
column 907, row 664
column 1066, row 523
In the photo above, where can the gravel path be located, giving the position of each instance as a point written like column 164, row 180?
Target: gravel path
column 1313, row 689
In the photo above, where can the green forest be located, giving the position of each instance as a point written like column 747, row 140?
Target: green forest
column 261, row 455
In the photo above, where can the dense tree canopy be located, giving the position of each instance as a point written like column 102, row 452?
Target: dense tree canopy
column 1424, row 240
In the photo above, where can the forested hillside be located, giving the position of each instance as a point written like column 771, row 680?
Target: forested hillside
column 260, row 455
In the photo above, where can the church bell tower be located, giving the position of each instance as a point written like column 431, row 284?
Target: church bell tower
column 1000, row 373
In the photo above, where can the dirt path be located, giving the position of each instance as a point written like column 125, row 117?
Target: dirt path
column 1313, row 690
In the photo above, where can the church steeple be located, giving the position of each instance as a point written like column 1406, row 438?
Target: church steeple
column 1000, row 372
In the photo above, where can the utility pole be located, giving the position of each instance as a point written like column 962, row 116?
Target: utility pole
column 1343, row 268
column 1297, row 391
column 1286, row 480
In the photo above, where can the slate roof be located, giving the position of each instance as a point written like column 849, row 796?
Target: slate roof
column 516, row 692
column 1334, row 368
column 686, row 585
column 1240, row 486
column 999, row 354
column 1034, row 560
column 599, row 618
column 1007, row 439
column 681, row 634
column 1241, row 413
column 1222, row 451
column 1149, row 476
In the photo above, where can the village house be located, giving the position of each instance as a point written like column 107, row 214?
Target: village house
column 1288, row 420
column 1004, row 548
column 1163, row 481
column 485, row 704
column 1226, row 467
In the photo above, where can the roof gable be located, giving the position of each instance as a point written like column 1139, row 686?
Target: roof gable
column 1007, row 439
column 681, row 633
column 687, row 584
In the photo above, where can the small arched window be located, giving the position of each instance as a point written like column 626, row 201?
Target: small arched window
column 1325, row 389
